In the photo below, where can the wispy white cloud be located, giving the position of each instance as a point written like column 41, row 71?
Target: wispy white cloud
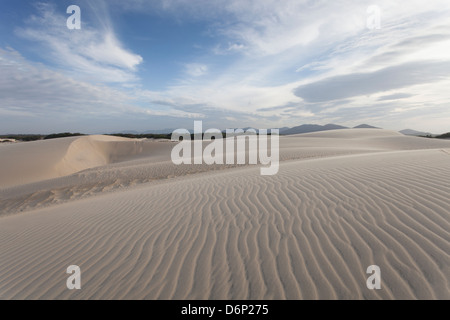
column 90, row 53
column 37, row 90
column 32, row 90
column 196, row 69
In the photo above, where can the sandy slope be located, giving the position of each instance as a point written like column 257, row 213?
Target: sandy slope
column 341, row 201
column 23, row 163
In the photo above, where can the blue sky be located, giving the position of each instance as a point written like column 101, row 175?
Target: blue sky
column 142, row 65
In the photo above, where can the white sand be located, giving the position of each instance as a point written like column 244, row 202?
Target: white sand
column 140, row 227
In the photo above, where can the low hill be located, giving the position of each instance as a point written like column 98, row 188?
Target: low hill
column 410, row 132
column 444, row 136
column 306, row 128
column 365, row 126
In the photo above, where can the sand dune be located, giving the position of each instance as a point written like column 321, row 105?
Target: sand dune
column 140, row 227
column 24, row 163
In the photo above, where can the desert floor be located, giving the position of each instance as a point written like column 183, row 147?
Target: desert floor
column 140, row 227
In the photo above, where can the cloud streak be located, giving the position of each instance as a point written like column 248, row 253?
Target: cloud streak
column 90, row 53
column 357, row 84
column 41, row 91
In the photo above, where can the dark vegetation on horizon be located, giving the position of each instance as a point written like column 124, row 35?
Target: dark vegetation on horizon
column 141, row 136
column 23, row 137
column 62, row 135
column 442, row 136
column 35, row 137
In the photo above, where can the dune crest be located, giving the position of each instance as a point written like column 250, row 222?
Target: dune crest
column 94, row 151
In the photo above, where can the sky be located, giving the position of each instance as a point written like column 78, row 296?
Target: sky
column 141, row 65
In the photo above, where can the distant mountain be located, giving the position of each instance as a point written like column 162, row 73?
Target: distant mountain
column 365, row 126
column 410, row 132
column 306, row 128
